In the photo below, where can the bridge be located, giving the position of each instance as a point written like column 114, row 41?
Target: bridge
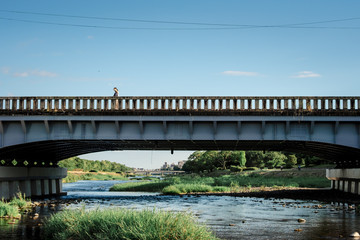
column 37, row 132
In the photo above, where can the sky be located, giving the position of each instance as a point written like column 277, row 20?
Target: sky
column 178, row 48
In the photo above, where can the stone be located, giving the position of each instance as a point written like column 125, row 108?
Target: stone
column 301, row 220
column 355, row 235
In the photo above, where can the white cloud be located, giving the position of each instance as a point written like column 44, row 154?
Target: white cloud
column 23, row 74
column 306, row 74
column 35, row 73
column 240, row 73
column 5, row 70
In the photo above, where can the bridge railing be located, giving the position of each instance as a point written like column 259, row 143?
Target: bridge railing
column 198, row 103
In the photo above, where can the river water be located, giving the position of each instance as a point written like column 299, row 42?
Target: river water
column 229, row 217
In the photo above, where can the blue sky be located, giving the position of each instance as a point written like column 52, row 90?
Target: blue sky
column 229, row 47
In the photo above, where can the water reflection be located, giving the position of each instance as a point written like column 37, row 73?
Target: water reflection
column 229, row 217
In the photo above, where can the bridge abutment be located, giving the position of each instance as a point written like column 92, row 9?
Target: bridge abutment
column 33, row 181
column 346, row 180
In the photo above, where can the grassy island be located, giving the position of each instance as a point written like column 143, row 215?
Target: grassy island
column 124, row 224
column 244, row 182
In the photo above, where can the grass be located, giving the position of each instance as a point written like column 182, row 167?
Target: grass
column 11, row 209
column 72, row 177
column 140, row 186
column 124, row 224
column 226, row 183
column 7, row 210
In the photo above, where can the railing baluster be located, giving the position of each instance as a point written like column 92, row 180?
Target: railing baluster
column 208, row 104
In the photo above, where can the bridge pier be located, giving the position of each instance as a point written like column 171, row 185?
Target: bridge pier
column 33, row 181
column 346, row 180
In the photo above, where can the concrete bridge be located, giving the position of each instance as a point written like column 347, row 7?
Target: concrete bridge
column 37, row 132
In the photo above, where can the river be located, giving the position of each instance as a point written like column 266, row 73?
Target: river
column 229, row 217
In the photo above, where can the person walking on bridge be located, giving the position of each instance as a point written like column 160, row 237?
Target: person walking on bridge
column 116, row 93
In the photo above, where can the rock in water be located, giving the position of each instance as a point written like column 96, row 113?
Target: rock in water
column 301, row 220
column 355, row 235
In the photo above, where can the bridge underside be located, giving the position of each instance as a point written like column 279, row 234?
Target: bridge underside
column 57, row 150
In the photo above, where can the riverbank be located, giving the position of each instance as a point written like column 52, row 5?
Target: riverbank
column 230, row 183
column 326, row 195
column 74, row 176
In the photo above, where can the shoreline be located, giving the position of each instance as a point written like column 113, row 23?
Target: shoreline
column 319, row 194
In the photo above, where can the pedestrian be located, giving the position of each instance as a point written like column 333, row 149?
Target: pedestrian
column 116, row 92
column 299, row 167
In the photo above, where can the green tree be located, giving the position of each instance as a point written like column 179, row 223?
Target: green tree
column 291, row 161
column 242, row 159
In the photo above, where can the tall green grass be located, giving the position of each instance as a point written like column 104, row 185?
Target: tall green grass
column 7, row 210
column 114, row 224
column 141, row 186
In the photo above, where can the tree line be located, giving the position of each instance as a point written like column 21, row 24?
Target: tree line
column 90, row 165
column 210, row 161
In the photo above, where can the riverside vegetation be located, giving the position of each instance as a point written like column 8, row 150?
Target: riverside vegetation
column 124, row 224
column 12, row 208
column 83, row 169
column 229, row 183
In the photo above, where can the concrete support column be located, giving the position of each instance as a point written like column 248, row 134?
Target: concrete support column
column 355, row 187
column 33, row 182
column 35, row 188
column 25, row 187
column 52, row 186
column 346, row 180
column 4, row 189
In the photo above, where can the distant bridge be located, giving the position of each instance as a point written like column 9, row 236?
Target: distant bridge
column 155, row 172
column 40, row 131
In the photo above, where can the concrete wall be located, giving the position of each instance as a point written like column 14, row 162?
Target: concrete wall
column 346, row 180
column 33, row 182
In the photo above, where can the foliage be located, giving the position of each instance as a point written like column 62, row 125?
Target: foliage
column 187, row 188
column 8, row 210
column 210, row 161
column 20, row 201
column 92, row 176
column 124, row 224
column 141, row 186
column 225, row 183
column 291, row 161
column 94, row 166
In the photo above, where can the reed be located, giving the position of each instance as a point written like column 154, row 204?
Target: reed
column 128, row 224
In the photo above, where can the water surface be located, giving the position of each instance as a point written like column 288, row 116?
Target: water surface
column 229, row 217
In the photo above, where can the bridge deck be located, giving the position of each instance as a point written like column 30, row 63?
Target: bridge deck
column 200, row 105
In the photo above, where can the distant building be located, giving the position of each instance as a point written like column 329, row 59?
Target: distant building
column 181, row 164
column 165, row 166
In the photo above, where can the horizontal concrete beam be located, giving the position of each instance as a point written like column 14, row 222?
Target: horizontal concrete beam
column 33, row 182
column 336, row 174
column 24, row 173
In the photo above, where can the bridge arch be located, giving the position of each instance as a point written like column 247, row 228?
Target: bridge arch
column 54, row 128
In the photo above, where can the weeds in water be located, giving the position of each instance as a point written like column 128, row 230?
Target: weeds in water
column 117, row 224
column 7, row 210
column 20, row 201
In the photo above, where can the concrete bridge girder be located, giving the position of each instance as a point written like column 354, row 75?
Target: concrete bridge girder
column 100, row 133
